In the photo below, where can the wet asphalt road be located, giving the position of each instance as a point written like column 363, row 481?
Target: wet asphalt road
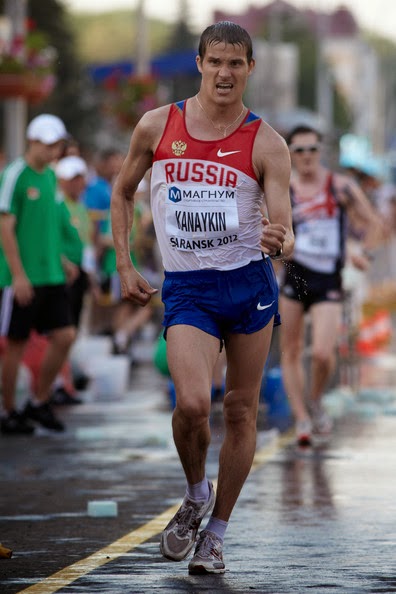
column 318, row 521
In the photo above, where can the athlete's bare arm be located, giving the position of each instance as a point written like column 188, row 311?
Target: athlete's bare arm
column 271, row 161
column 359, row 209
column 138, row 160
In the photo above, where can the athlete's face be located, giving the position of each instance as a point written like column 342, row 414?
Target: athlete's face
column 305, row 153
column 225, row 71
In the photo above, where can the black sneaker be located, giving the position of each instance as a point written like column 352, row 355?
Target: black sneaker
column 16, row 424
column 43, row 415
column 62, row 397
column 81, row 382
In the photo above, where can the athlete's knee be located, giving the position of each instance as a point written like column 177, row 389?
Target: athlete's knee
column 322, row 357
column 291, row 353
column 194, row 407
column 241, row 406
column 292, row 340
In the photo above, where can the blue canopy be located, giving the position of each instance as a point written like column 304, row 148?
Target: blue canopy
column 177, row 63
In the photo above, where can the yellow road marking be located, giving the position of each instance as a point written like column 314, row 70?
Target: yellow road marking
column 267, row 452
column 126, row 543
column 119, row 547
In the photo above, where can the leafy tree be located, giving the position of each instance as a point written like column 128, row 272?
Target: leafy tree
column 105, row 37
column 181, row 38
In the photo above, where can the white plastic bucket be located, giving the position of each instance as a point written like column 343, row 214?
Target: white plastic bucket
column 109, row 375
column 87, row 347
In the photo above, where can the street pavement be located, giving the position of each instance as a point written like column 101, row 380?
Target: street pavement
column 319, row 520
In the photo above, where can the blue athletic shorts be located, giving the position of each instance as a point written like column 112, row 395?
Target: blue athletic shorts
column 240, row 301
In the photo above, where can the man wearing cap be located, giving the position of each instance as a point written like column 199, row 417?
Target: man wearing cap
column 33, row 273
column 71, row 172
column 77, row 236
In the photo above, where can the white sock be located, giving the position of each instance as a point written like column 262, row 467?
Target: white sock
column 217, row 526
column 199, row 491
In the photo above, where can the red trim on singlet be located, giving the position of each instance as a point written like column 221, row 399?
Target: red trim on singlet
column 239, row 144
column 330, row 202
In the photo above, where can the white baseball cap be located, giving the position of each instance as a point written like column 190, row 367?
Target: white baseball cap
column 70, row 167
column 46, row 128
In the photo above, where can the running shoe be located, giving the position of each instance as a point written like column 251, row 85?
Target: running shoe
column 322, row 423
column 208, row 555
column 180, row 534
column 15, row 424
column 304, row 433
column 44, row 415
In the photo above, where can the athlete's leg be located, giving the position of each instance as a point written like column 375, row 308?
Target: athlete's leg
column 292, row 347
column 246, row 356
column 325, row 323
column 56, row 353
column 218, row 376
column 11, row 361
column 192, row 355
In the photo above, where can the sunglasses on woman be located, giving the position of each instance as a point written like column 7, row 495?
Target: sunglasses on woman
column 311, row 148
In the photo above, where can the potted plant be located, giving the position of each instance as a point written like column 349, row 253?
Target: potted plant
column 27, row 68
column 129, row 97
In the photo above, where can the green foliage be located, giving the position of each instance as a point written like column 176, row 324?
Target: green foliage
column 67, row 100
column 51, row 23
column 37, row 59
column 110, row 36
column 385, row 48
column 342, row 114
column 130, row 97
column 9, row 65
column 181, row 37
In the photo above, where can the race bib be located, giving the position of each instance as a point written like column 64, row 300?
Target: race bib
column 201, row 217
column 320, row 237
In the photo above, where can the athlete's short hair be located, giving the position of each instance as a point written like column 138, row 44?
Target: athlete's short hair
column 225, row 32
column 302, row 129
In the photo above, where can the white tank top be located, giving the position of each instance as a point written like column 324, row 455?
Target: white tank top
column 205, row 197
column 319, row 228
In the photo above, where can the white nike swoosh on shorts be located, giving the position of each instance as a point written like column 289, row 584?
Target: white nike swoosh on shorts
column 261, row 307
column 221, row 154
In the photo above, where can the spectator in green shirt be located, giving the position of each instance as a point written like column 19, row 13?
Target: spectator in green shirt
column 33, row 273
column 77, row 233
column 77, row 229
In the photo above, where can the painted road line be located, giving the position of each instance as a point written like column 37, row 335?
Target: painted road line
column 125, row 544
column 267, row 452
column 120, row 547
